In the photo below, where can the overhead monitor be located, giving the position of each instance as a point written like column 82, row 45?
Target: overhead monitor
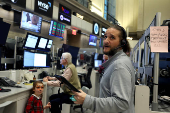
column 93, row 40
column 31, row 22
column 56, row 29
column 30, row 41
column 36, row 59
column 101, row 42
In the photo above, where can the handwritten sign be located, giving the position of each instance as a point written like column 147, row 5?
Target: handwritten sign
column 159, row 38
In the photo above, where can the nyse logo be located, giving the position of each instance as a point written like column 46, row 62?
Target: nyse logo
column 44, row 5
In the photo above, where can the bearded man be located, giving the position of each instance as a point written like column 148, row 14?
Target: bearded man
column 117, row 85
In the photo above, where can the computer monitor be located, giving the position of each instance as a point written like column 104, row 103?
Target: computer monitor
column 31, row 22
column 42, row 43
column 97, row 63
column 56, row 29
column 35, row 59
column 49, row 44
column 93, row 40
column 101, row 42
column 95, row 56
column 100, row 57
column 31, row 41
column 73, row 51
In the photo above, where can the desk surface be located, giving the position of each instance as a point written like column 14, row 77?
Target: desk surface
column 14, row 90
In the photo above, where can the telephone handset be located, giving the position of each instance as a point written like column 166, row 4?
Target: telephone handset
column 4, row 81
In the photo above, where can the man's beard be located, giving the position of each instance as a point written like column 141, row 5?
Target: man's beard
column 112, row 52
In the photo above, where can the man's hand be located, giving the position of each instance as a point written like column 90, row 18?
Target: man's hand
column 80, row 97
column 45, row 79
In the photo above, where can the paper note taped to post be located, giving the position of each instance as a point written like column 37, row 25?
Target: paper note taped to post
column 159, row 38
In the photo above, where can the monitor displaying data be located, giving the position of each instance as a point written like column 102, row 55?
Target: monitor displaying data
column 30, row 41
column 93, row 40
column 40, row 60
column 95, row 56
column 50, row 42
column 36, row 59
column 31, row 22
column 42, row 43
column 101, row 42
column 97, row 63
column 28, row 59
column 56, row 29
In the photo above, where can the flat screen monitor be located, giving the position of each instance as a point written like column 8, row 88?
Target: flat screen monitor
column 42, row 43
column 36, row 59
column 100, row 57
column 97, row 63
column 49, row 44
column 101, row 42
column 72, row 50
column 93, row 40
column 31, row 22
column 4, row 29
column 56, row 29
column 31, row 41
column 95, row 56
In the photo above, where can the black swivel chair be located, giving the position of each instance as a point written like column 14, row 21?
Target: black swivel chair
column 86, row 83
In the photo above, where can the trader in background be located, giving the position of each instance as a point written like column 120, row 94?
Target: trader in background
column 117, row 85
column 70, row 74
column 105, row 58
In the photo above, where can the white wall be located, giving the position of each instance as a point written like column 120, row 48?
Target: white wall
column 151, row 7
column 138, row 14
column 99, row 4
column 126, row 13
